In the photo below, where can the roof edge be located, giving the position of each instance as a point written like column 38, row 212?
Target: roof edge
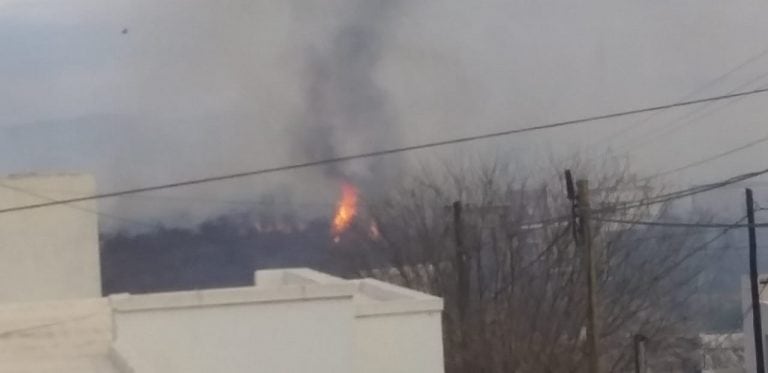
column 230, row 296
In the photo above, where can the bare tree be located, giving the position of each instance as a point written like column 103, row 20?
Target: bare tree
column 525, row 310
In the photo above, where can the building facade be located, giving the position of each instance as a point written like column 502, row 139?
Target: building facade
column 48, row 253
column 291, row 320
column 54, row 319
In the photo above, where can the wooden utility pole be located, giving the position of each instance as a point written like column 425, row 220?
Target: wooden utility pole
column 462, row 277
column 640, row 361
column 755, row 292
column 462, row 280
column 585, row 217
column 583, row 239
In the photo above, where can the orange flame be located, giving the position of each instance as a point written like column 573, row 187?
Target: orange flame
column 345, row 210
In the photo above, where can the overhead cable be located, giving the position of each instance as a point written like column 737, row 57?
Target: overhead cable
column 379, row 153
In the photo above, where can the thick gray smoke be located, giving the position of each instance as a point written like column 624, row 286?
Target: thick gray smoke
column 197, row 88
column 346, row 109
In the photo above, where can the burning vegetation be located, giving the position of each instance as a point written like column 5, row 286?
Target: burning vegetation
column 346, row 210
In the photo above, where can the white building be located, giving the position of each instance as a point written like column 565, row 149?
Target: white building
column 50, row 253
column 290, row 320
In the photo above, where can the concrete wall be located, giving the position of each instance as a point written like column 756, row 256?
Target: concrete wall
column 236, row 331
column 48, row 253
column 47, row 330
column 294, row 320
column 61, row 336
column 391, row 322
column 399, row 344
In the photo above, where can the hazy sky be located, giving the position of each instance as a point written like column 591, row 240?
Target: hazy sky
column 199, row 88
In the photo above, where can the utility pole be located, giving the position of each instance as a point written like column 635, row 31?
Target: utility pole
column 583, row 238
column 756, row 314
column 640, row 361
column 462, row 280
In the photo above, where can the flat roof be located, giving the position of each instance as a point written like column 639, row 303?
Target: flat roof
column 371, row 297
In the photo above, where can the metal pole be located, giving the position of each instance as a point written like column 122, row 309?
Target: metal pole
column 756, row 314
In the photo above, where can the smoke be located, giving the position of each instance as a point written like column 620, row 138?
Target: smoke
column 346, row 111
column 200, row 88
column 267, row 85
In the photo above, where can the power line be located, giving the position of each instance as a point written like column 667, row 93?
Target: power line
column 693, row 93
column 697, row 113
column 379, row 153
column 691, row 118
column 235, row 202
column 76, row 207
column 709, row 159
column 663, row 198
column 681, row 193
column 680, row 224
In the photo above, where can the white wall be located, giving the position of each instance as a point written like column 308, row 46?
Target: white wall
column 294, row 320
column 279, row 336
column 393, row 321
column 400, row 343
column 45, row 330
column 48, row 253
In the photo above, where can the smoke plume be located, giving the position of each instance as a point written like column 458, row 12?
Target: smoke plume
column 346, row 110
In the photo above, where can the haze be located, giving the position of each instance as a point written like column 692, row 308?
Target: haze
column 145, row 92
